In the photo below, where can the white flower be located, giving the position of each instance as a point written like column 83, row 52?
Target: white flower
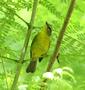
column 48, row 75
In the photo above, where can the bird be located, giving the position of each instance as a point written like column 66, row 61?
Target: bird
column 39, row 47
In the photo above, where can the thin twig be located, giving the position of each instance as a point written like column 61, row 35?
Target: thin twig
column 12, row 59
column 24, row 49
column 22, row 19
column 15, row 60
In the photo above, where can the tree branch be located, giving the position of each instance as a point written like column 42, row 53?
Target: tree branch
column 24, row 49
column 61, row 34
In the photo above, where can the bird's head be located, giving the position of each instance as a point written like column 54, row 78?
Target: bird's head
column 48, row 28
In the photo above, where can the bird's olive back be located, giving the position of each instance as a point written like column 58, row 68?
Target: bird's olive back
column 48, row 28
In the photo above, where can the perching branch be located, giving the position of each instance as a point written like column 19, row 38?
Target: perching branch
column 24, row 49
column 60, row 37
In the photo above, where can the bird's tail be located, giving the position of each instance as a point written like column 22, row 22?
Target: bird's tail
column 32, row 66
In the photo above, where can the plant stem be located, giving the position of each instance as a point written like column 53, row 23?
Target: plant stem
column 24, row 49
column 60, row 37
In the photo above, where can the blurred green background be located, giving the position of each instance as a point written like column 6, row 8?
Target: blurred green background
column 72, row 51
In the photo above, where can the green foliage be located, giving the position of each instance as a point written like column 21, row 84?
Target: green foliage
column 72, row 52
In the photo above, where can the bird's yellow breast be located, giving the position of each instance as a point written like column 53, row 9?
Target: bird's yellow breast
column 40, row 44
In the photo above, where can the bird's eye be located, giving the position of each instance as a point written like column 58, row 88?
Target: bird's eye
column 49, row 28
